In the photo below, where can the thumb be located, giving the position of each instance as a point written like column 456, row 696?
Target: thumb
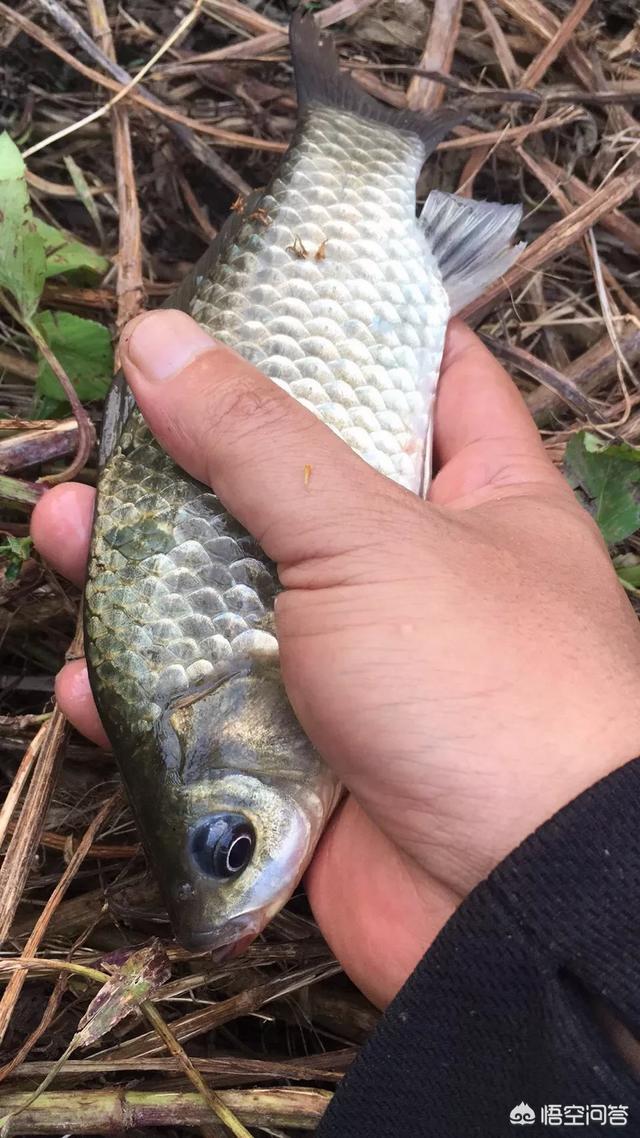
column 280, row 471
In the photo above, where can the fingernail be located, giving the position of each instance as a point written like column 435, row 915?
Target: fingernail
column 161, row 343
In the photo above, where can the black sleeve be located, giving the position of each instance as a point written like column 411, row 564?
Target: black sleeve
column 499, row 1014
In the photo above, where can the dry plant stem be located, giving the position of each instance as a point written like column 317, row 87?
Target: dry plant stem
column 15, row 490
column 211, row 1098
column 559, row 236
column 556, row 181
column 560, row 38
column 19, row 780
column 504, row 55
column 533, row 14
column 11, row 723
column 53, row 1003
column 263, row 44
column 130, row 290
column 589, row 371
column 466, row 138
column 59, row 189
column 424, row 94
column 118, row 1110
column 229, row 138
column 216, row 1102
column 393, row 96
column 41, row 443
column 329, row 1067
column 619, row 224
column 605, row 304
column 556, row 351
column 18, row 858
column 205, row 1019
column 219, row 1108
column 563, row 387
column 122, row 91
column 547, row 173
column 102, row 852
column 472, row 168
column 17, row 365
column 182, row 131
column 16, row 983
column 242, row 17
column 31, row 425
column 624, row 300
column 103, row 299
column 86, row 432
column 208, row 230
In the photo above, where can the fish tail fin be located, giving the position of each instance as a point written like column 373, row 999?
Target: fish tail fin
column 320, row 81
column 471, row 241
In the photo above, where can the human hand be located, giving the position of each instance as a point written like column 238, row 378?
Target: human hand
column 466, row 665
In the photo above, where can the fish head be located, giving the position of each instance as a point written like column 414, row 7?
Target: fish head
column 243, row 857
column 247, row 798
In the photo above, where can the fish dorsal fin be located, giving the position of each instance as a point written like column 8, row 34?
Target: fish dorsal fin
column 471, row 242
column 319, row 80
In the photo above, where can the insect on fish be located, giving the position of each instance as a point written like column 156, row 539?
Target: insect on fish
column 330, row 284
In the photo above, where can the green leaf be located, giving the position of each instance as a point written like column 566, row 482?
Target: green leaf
column 44, row 407
column 627, row 566
column 609, row 474
column 14, row 551
column 84, row 349
column 22, row 260
column 64, row 255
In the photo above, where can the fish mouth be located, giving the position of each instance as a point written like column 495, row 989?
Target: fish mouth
column 226, row 942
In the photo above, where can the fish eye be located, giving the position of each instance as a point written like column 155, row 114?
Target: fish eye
column 223, row 844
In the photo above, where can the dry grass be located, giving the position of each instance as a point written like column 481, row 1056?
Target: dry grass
column 554, row 87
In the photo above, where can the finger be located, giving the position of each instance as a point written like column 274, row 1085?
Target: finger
column 73, row 694
column 484, row 435
column 378, row 911
column 61, row 528
column 274, row 465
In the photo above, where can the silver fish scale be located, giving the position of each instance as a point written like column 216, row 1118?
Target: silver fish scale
column 176, row 588
column 334, row 293
column 330, row 288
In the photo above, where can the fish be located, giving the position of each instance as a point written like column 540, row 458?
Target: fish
column 330, row 283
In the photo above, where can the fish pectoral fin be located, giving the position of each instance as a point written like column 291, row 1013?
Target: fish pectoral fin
column 471, row 242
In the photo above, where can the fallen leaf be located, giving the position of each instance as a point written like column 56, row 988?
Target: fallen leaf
column 134, row 980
